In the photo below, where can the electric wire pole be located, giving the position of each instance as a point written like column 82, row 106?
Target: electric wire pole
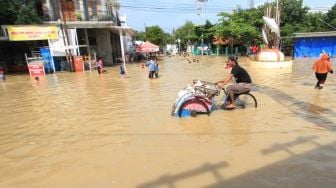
column 200, row 13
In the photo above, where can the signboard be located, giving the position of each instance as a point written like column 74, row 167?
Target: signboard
column 23, row 33
column 36, row 69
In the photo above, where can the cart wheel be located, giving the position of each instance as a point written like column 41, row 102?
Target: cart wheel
column 200, row 103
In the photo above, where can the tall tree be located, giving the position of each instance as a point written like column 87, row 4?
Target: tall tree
column 331, row 17
column 292, row 12
column 186, row 33
column 18, row 12
column 205, row 32
column 155, row 35
column 314, row 22
column 167, row 38
column 242, row 26
column 141, row 36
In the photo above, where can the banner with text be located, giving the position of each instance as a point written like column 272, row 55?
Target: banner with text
column 24, row 33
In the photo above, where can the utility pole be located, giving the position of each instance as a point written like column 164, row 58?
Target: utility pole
column 200, row 13
column 251, row 4
column 145, row 32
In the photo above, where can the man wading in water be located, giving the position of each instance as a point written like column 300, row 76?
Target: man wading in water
column 321, row 68
column 243, row 81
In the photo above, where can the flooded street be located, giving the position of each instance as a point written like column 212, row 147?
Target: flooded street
column 90, row 130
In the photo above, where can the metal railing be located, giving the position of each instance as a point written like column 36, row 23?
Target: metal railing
column 79, row 16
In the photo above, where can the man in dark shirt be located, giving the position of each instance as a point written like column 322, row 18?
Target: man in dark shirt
column 243, row 80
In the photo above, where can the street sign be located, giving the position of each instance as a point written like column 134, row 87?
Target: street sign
column 36, row 69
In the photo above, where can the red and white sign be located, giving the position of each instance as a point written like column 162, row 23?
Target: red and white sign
column 36, row 69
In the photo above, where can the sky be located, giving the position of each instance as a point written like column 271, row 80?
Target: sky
column 171, row 14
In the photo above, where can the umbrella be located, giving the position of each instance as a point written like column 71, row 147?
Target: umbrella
column 147, row 47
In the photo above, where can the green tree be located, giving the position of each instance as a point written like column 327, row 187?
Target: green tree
column 314, row 22
column 185, row 33
column 293, row 19
column 331, row 17
column 242, row 26
column 205, row 32
column 18, row 12
column 155, row 35
column 168, row 39
column 292, row 12
column 141, row 36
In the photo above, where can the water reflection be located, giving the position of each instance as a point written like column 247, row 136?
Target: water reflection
column 72, row 125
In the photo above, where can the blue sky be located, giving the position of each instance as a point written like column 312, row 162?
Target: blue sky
column 169, row 14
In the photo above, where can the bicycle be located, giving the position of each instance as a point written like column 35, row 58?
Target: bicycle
column 242, row 100
column 200, row 99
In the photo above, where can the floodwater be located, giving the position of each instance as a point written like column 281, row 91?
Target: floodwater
column 90, row 130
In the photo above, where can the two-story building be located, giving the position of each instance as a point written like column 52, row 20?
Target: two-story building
column 84, row 27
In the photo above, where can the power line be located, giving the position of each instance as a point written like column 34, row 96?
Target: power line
column 160, row 9
column 155, row 3
column 174, row 6
column 175, row 9
column 327, row 24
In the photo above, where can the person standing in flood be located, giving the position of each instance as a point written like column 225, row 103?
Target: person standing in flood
column 142, row 64
column 2, row 74
column 156, row 73
column 122, row 71
column 100, row 67
column 321, row 68
column 151, row 67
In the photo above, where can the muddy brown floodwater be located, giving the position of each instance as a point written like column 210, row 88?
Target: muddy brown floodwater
column 90, row 130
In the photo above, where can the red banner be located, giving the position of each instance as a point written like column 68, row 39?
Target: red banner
column 36, row 69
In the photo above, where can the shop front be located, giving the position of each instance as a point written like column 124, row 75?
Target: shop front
column 25, row 43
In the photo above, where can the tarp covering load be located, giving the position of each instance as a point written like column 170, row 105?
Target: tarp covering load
column 147, row 47
column 312, row 47
column 195, row 99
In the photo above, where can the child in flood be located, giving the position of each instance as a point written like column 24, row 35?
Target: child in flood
column 122, row 71
column 142, row 64
column 100, row 66
column 156, row 73
column 321, row 68
column 2, row 74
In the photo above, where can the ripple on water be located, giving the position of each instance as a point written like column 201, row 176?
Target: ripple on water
column 82, row 120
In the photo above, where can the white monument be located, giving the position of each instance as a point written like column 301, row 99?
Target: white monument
column 271, row 56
